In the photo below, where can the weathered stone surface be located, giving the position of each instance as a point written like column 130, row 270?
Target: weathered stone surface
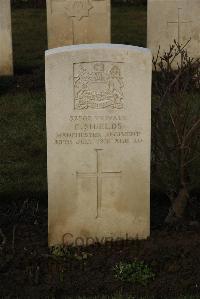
column 72, row 22
column 6, row 60
column 170, row 20
column 98, row 135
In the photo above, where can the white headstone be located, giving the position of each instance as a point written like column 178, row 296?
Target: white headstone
column 6, row 59
column 72, row 22
column 170, row 20
column 98, row 135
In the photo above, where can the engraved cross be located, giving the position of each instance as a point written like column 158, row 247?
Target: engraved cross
column 99, row 174
column 179, row 22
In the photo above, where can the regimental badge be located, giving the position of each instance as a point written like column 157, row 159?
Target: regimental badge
column 98, row 85
column 78, row 8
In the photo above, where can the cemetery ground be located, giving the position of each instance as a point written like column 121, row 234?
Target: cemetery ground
column 168, row 263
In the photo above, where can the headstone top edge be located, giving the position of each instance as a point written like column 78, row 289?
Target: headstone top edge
column 102, row 46
column 163, row 1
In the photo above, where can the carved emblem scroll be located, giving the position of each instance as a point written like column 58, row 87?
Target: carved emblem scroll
column 98, row 85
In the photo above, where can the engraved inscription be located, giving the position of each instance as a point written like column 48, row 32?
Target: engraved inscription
column 99, row 174
column 99, row 129
column 98, row 85
column 179, row 23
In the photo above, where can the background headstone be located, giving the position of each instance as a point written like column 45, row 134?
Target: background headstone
column 98, row 132
column 170, row 20
column 6, row 59
column 78, row 22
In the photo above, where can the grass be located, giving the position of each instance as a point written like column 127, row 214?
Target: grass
column 23, row 157
column 129, row 25
column 22, row 109
column 29, row 39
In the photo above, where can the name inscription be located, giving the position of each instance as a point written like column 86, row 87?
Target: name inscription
column 98, row 130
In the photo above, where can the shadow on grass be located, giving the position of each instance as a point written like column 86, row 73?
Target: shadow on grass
column 6, row 84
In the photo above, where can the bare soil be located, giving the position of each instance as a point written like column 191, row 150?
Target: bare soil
column 29, row 270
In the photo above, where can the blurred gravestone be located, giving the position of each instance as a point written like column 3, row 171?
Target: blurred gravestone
column 78, row 22
column 170, row 20
column 98, row 133
column 6, row 59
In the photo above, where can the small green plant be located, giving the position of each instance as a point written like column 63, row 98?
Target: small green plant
column 59, row 251
column 69, row 252
column 135, row 271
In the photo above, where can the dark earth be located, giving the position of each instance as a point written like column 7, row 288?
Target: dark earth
column 28, row 269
